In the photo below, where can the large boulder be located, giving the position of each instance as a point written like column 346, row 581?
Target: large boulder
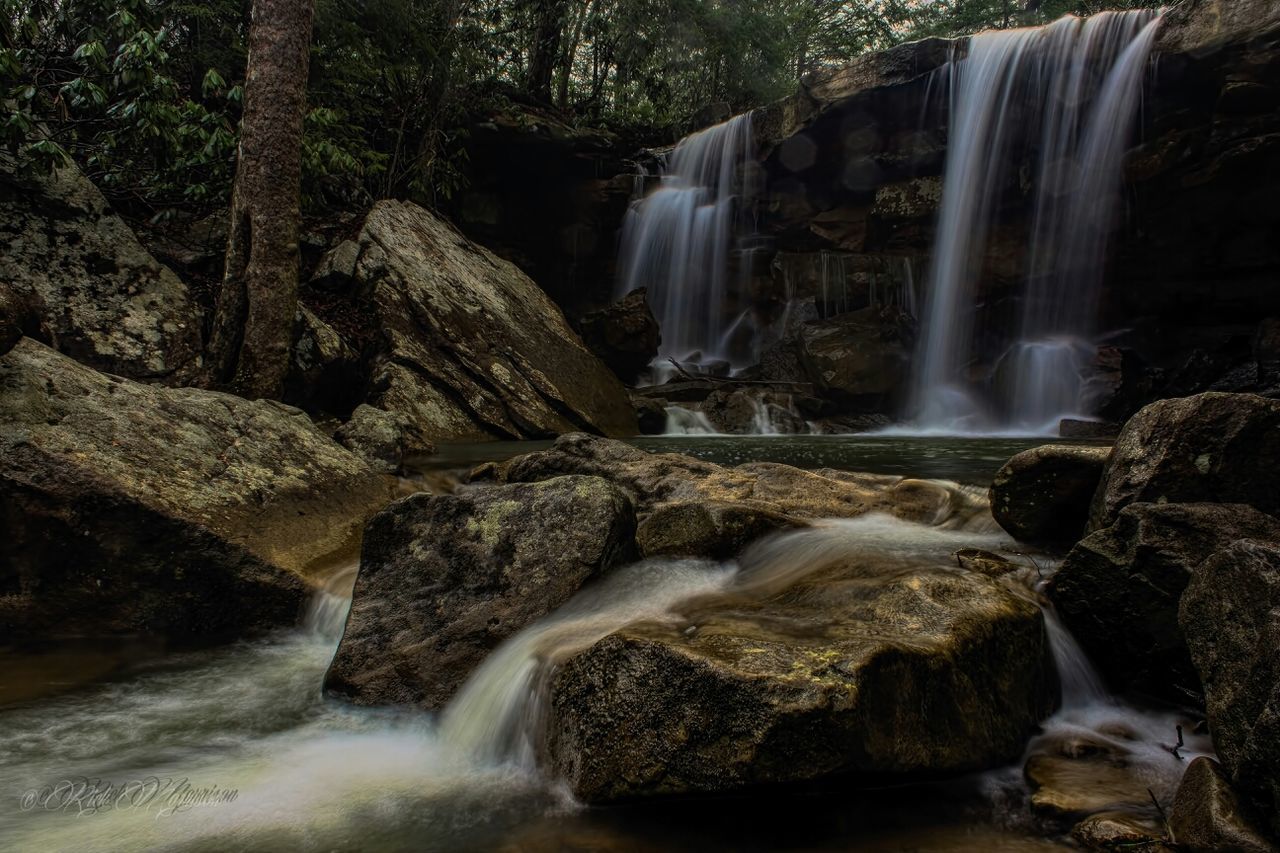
column 471, row 347
column 625, row 335
column 1118, row 589
column 98, row 295
column 860, row 354
column 446, row 578
column 1215, row 447
column 656, row 479
column 127, row 507
column 1230, row 615
column 1042, row 495
column 848, row 672
column 1206, row 816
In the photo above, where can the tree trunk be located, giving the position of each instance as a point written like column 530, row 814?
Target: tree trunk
column 548, row 29
column 252, row 333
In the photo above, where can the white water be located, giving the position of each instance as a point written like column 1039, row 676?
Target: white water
column 677, row 243
column 1080, row 82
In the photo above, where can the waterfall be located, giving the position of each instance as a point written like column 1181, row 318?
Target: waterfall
column 677, row 243
column 1077, row 82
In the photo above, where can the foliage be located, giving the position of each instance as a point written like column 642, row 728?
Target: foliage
column 145, row 94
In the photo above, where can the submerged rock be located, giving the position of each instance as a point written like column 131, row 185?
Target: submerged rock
column 1215, row 447
column 1042, row 495
column 128, row 507
column 1230, row 615
column 740, row 411
column 472, row 349
column 1120, row 830
column 848, row 672
column 1118, row 589
column 99, row 296
column 445, row 579
column 1206, row 817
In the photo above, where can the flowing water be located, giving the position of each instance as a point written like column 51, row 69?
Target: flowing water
column 236, row 748
column 1079, row 82
column 677, row 242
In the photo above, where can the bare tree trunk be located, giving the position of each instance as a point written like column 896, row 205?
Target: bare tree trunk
column 548, row 29
column 253, row 325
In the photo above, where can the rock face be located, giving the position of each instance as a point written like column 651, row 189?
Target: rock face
column 1118, row 589
column 624, row 335
column 1042, row 495
column 656, row 479
column 98, row 295
column 1211, row 447
column 129, row 507
column 444, row 579
column 1230, row 615
column 844, row 673
column 1206, row 817
column 471, row 348
column 860, row 354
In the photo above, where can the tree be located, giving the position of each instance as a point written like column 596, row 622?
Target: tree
column 253, row 325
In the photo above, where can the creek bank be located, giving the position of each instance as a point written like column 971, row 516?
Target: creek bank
column 137, row 508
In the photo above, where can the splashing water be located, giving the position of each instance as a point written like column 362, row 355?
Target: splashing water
column 1080, row 81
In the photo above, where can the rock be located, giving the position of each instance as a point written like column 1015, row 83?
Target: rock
column 472, row 349
column 624, row 335
column 127, row 507
column 444, row 579
column 15, row 317
column 984, row 562
column 381, row 439
column 100, row 297
column 1266, row 350
column 1075, row 428
column 1118, row 589
column 717, row 531
column 1206, row 817
column 324, row 374
column 863, row 353
column 845, row 673
column 852, row 424
column 1210, row 447
column 1119, row 830
column 1202, row 27
column 651, row 414
column 1042, row 495
column 753, row 412
column 653, row 479
column 1230, row 614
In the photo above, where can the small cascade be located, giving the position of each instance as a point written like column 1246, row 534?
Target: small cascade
column 682, row 421
column 1078, row 82
column 677, row 242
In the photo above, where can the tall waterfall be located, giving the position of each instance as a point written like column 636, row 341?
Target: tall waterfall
column 1079, row 83
column 677, row 243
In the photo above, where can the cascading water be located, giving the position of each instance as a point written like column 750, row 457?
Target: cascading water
column 677, row 243
column 1079, row 82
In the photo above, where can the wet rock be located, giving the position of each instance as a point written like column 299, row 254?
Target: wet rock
column 100, row 297
column 850, row 424
column 1120, row 830
column 653, row 479
column 1230, row 615
column 1118, row 589
column 845, row 673
column 624, row 335
column 444, row 579
column 1210, row 447
column 1074, row 428
column 472, row 348
column 860, row 354
column 984, row 562
column 1042, row 495
column 1206, row 815
column 717, row 531
column 651, row 414
column 746, row 412
column 127, row 507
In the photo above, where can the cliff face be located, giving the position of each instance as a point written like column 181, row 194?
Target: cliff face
column 849, row 178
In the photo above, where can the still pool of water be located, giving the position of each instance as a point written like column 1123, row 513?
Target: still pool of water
column 235, row 748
